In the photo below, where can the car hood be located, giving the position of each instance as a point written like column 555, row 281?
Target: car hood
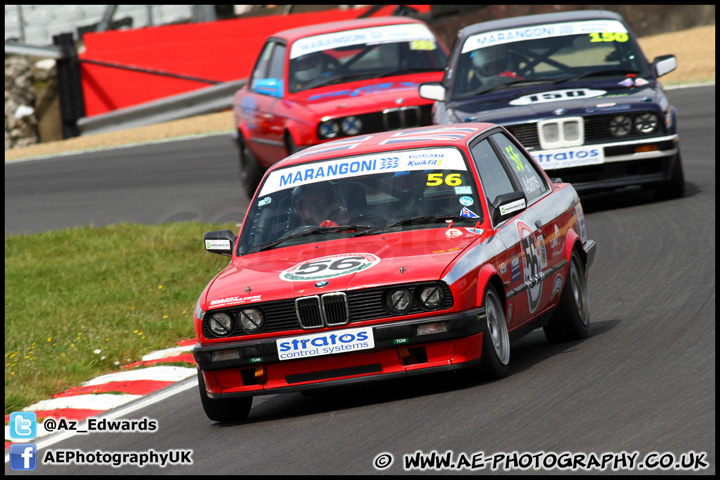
column 507, row 106
column 339, row 265
column 366, row 96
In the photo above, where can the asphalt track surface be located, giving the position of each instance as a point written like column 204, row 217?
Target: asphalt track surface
column 643, row 382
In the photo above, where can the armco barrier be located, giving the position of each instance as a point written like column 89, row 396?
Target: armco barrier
column 198, row 102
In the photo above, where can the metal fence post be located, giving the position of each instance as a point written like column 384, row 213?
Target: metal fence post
column 72, row 104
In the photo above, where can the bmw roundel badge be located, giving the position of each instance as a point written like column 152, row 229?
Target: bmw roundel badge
column 321, row 283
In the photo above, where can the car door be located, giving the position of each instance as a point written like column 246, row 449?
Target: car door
column 265, row 101
column 520, row 267
column 544, row 241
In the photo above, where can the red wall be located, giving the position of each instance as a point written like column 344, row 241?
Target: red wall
column 222, row 51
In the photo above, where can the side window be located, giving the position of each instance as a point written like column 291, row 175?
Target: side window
column 532, row 182
column 494, row 178
column 277, row 63
column 261, row 67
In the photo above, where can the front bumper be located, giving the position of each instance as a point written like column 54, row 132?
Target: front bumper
column 255, row 367
column 625, row 163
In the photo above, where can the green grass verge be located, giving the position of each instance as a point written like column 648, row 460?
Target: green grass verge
column 81, row 302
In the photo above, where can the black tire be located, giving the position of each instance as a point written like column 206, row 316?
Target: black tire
column 496, row 341
column 571, row 319
column 250, row 170
column 673, row 188
column 223, row 410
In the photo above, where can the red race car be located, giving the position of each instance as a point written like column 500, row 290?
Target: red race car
column 322, row 82
column 379, row 256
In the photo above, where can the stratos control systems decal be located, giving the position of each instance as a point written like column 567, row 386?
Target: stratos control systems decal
column 532, row 264
column 331, row 266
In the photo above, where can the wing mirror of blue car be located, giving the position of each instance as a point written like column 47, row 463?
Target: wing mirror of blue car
column 664, row 64
column 220, row 242
column 269, row 86
column 508, row 205
column 432, row 91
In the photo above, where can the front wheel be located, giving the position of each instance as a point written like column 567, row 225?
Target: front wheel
column 495, row 356
column 673, row 188
column 223, row 410
column 250, row 170
column 571, row 320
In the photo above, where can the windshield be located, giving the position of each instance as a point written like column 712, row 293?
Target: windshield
column 375, row 52
column 362, row 195
column 544, row 54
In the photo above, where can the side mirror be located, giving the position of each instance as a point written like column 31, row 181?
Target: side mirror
column 432, row 91
column 220, row 242
column 507, row 205
column 664, row 64
column 269, row 86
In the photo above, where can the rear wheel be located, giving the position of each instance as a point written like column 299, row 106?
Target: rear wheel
column 223, row 410
column 250, row 170
column 571, row 320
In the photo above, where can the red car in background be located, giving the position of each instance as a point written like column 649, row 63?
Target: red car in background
column 380, row 256
column 323, row 82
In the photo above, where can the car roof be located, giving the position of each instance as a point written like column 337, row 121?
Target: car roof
column 301, row 32
column 525, row 20
column 421, row 137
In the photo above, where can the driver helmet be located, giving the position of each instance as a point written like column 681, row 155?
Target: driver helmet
column 314, row 202
column 491, row 61
column 308, row 67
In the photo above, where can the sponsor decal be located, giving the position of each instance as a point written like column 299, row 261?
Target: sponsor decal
column 515, row 269
column 453, row 232
column 502, row 267
column 463, row 190
column 466, row 212
column 543, row 251
column 325, row 343
column 512, row 206
column 398, row 161
column 264, row 201
column 569, row 157
column 532, row 32
column 330, row 266
column 557, row 96
column 236, row 300
column 580, row 220
column 532, row 264
column 217, row 244
column 466, row 201
column 476, row 231
column 383, row 34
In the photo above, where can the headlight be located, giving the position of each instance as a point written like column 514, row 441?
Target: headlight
column 551, row 132
column 432, row 297
column 620, row 125
column 399, row 301
column 646, row 123
column 328, row 129
column 221, row 324
column 251, row 320
column 351, row 125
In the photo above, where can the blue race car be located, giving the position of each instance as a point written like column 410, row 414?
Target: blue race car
column 576, row 90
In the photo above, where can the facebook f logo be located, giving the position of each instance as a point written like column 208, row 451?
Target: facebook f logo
column 23, row 456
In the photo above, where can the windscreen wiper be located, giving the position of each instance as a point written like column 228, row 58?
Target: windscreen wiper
column 510, row 84
column 410, row 221
column 609, row 71
column 310, row 232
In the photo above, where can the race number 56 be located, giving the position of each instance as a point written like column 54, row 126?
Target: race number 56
column 329, row 267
